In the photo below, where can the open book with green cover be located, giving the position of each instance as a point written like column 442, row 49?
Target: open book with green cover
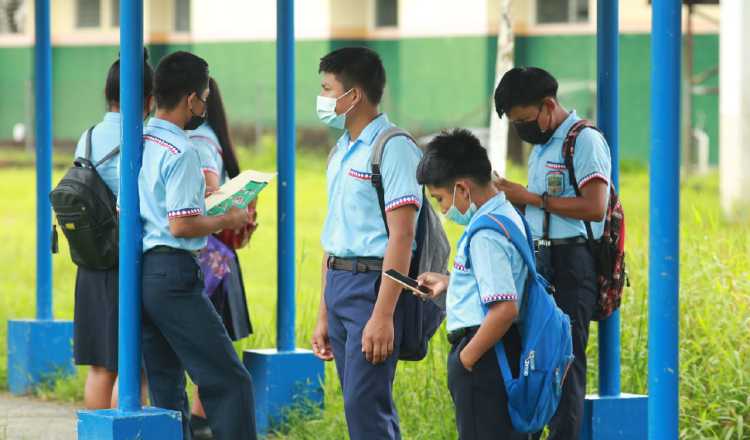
column 238, row 192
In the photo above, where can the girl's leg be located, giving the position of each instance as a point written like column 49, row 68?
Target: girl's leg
column 97, row 393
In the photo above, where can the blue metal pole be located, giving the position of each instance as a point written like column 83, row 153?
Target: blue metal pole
column 131, row 107
column 43, row 133
column 663, row 347
column 285, row 340
column 608, row 105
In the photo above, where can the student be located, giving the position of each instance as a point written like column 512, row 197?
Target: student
column 181, row 330
column 95, row 316
column 528, row 96
column 359, row 325
column 457, row 173
column 219, row 161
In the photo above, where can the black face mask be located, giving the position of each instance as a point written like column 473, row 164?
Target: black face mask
column 530, row 132
column 196, row 121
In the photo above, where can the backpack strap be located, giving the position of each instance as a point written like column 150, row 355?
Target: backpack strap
column 506, row 227
column 376, row 159
column 87, row 154
column 115, row 151
column 568, row 150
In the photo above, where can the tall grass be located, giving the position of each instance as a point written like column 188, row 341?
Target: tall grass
column 714, row 295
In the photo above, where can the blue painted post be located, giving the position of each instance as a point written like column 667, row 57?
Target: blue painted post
column 41, row 349
column 129, row 421
column 285, row 156
column 611, row 415
column 286, row 376
column 131, row 107
column 664, row 206
column 43, row 129
column 608, row 120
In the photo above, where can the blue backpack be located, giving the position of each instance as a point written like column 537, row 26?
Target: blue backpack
column 546, row 344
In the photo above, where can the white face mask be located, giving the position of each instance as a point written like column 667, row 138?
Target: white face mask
column 326, row 109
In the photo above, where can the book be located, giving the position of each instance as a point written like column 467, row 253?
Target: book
column 238, row 192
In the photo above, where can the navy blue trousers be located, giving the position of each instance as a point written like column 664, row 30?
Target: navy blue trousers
column 182, row 332
column 368, row 389
column 572, row 270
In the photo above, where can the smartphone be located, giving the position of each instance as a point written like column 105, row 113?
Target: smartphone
column 408, row 283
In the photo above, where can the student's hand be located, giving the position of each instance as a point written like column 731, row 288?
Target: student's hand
column 321, row 345
column 377, row 338
column 463, row 358
column 436, row 282
column 517, row 193
column 236, row 218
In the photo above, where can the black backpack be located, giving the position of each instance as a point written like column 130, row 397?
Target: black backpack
column 86, row 212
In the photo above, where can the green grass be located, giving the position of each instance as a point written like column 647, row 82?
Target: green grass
column 715, row 304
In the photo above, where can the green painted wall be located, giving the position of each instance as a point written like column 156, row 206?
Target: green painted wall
column 432, row 82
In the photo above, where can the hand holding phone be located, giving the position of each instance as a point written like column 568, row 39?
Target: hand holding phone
column 409, row 283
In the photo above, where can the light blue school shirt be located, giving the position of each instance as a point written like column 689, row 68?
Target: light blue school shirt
column 547, row 172
column 497, row 271
column 209, row 150
column 170, row 185
column 104, row 138
column 354, row 226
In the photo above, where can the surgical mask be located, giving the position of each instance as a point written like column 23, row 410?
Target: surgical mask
column 456, row 216
column 530, row 132
column 326, row 109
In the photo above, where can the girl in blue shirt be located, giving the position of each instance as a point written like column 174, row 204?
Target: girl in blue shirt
column 95, row 316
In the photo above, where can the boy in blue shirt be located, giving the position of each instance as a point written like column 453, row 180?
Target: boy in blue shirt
column 457, row 173
column 558, row 218
column 181, row 329
column 359, row 324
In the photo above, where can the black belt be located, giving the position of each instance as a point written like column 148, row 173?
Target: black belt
column 560, row 242
column 456, row 335
column 162, row 249
column 355, row 264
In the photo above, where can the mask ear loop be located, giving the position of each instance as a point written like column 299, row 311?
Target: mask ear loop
column 453, row 203
column 350, row 107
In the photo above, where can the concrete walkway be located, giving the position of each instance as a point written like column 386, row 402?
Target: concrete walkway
column 24, row 418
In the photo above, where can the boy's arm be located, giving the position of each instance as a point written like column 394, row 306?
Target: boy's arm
column 202, row 225
column 493, row 328
column 491, row 257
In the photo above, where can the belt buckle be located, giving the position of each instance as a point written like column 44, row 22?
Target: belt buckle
column 542, row 243
column 360, row 267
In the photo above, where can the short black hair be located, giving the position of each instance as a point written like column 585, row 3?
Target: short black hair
column 179, row 74
column 112, row 86
column 357, row 66
column 454, row 155
column 522, row 86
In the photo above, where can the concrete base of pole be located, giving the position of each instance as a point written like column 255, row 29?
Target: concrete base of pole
column 284, row 380
column 38, row 352
column 146, row 424
column 623, row 417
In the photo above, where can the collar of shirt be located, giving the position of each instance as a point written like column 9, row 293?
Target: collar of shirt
column 489, row 206
column 563, row 129
column 112, row 117
column 368, row 135
column 166, row 125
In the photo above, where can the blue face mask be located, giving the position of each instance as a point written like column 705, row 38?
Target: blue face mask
column 456, row 216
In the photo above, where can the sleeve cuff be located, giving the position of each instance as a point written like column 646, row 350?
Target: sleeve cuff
column 209, row 170
column 402, row 201
column 593, row 176
column 190, row 212
column 499, row 297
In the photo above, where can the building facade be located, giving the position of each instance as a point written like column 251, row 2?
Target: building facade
column 439, row 56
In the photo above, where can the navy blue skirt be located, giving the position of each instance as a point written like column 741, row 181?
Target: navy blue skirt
column 95, row 318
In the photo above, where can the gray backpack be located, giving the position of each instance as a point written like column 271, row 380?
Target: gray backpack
column 421, row 318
